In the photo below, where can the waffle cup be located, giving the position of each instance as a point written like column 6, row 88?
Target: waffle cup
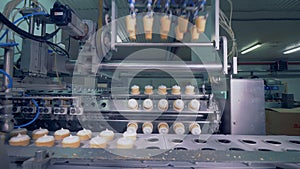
column 131, row 135
column 163, row 128
column 200, row 23
column 147, row 128
column 133, row 104
column 179, row 35
column 18, row 131
column 132, row 36
column 194, row 33
column 176, row 90
column 36, row 136
column 161, row 106
column 120, row 146
column 148, row 26
column 176, row 107
column 179, row 128
column 148, row 90
column 189, row 90
column 162, row 90
column 195, row 128
column 183, row 24
column 135, row 90
column 84, row 137
column 98, row 142
column 103, row 145
column 20, row 143
column 125, row 143
column 131, row 26
column 165, row 22
column 39, row 133
column 71, row 145
column 132, row 126
column 61, row 137
column 48, row 143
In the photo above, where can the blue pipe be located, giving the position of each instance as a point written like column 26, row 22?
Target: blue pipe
column 23, row 17
column 203, row 3
column 191, row 2
column 35, row 118
column 185, row 3
column 173, row 2
column 9, row 78
column 131, row 2
column 158, row 3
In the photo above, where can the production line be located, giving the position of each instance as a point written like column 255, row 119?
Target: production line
column 151, row 86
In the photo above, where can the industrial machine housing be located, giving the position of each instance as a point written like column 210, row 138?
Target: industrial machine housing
column 53, row 90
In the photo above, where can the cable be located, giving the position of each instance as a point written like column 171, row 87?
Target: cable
column 57, row 49
column 24, row 17
column 9, row 78
column 25, row 34
column 14, row 37
column 30, row 15
column 225, row 23
column 22, row 32
column 8, row 9
column 35, row 118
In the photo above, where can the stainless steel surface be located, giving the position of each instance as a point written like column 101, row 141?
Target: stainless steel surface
column 247, row 106
column 113, row 25
column 40, row 155
column 225, row 55
column 31, row 25
column 48, row 98
column 227, row 143
column 216, row 34
column 162, row 65
column 6, row 122
column 235, row 65
column 207, row 151
column 6, row 118
column 8, row 64
column 34, row 57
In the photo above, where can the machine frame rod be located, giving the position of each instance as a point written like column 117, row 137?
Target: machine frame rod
column 164, row 44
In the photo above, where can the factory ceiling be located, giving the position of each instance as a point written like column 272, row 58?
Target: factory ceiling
column 274, row 23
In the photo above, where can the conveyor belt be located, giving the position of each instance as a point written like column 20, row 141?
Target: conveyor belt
column 178, row 151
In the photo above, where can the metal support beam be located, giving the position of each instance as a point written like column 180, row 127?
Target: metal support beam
column 8, row 63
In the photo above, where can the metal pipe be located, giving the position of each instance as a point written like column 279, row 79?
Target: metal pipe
column 44, row 98
column 164, row 44
column 217, row 24
column 113, row 25
column 225, row 55
column 31, row 25
column 100, row 15
column 44, row 31
column 161, row 66
column 8, row 64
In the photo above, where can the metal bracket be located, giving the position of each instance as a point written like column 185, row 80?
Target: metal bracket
column 225, row 55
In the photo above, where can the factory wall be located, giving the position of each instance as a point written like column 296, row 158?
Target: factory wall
column 291, row 78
